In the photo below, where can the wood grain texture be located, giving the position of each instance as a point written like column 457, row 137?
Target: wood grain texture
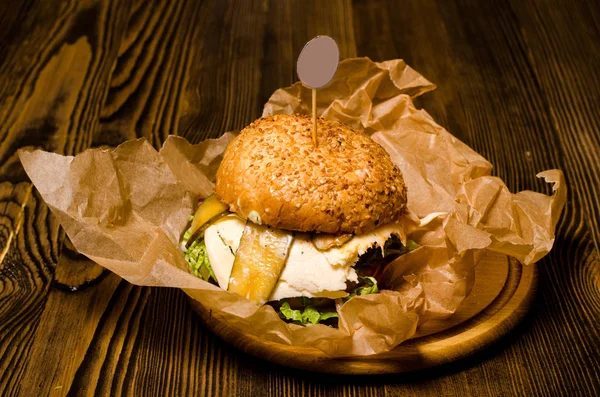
column 517, row 81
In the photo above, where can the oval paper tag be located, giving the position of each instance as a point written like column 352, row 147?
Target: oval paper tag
column 318, row 61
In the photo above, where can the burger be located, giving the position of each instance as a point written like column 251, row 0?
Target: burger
column 300, row 226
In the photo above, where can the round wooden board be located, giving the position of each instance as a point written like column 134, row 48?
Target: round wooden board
column 501, row 296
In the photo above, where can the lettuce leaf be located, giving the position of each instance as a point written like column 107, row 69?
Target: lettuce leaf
column 197, row 258
column 289, row 313
column 392, row 249
column 411, row 245
column 393, row 246
column 369, row 287
column 307, row 316
column 327, row 315
column 310, row 314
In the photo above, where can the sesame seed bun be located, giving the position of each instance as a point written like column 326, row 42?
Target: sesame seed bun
column 272, row 174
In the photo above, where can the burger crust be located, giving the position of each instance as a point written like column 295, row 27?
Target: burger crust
column 272, row 174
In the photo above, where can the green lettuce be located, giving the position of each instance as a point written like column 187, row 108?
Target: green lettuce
column 393, row 246
column 307, row 316
column 369, row 287
column 392, row 249
column 197, row 258
column 411, row 245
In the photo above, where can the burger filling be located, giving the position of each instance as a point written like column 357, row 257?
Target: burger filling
column 302, row 275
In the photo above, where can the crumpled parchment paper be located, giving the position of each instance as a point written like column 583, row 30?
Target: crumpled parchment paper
column 127, row 209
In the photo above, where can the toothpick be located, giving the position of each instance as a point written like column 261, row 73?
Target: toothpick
column 316, row 66
column 314, row 114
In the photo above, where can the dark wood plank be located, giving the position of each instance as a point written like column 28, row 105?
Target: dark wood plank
column 145, row 94
column 245, row 53
column 25, row 275
column 56, row 62
column 518, row 88
column 566, row 68
column 52, row 89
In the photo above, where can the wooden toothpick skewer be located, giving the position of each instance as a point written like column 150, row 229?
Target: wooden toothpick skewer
column 314, row 114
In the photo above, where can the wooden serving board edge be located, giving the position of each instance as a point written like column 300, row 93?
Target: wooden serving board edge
column 460, row 341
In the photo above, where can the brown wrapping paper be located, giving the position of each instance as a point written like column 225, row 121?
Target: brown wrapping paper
column 127, row 209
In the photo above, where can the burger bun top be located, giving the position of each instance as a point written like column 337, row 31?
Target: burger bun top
column 273, row 174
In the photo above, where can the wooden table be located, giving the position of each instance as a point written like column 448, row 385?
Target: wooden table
column 517, row 81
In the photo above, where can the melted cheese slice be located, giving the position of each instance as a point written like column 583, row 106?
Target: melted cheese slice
column 308, row 271
column 222, row 242
column 349, row 252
